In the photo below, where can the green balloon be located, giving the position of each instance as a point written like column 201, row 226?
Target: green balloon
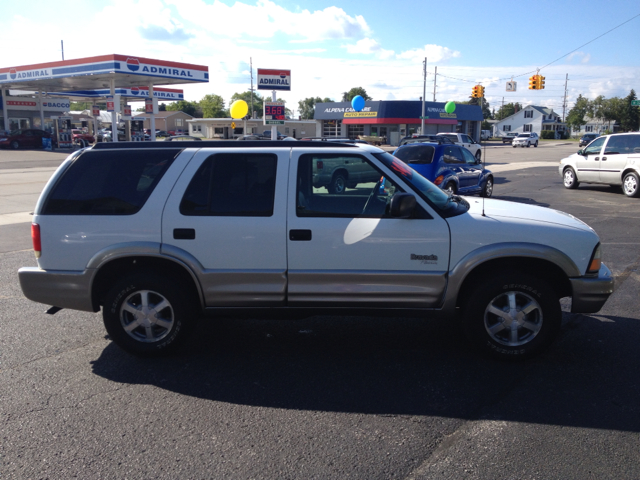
column 450, row 107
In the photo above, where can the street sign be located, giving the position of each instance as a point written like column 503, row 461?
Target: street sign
column 512, row 86
column 635, row 103
column 233, row 124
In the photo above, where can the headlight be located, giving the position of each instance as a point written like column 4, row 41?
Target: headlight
column 3, row 139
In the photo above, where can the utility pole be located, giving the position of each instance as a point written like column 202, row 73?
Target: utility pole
column 564, row 102
column 62, row 47
column 435, row 75
column 253, row 112
column 424, row 94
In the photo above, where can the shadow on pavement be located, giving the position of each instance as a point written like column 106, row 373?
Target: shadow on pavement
column 400, row 367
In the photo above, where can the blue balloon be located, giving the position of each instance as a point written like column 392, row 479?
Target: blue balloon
column 357, row 103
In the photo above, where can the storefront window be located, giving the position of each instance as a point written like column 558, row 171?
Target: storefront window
column 353, row 131
column 331, row 128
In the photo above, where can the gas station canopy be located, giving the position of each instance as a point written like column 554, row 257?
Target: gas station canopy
column 111, row 76
column 93, row 73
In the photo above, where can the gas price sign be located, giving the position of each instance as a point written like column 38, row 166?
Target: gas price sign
column 273, row 113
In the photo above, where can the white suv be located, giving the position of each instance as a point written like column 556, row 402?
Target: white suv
column 526, row 139
column 159, row 234
column 465, row 141
column 610, row 160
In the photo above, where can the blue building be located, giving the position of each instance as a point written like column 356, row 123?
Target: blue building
column 395, row 119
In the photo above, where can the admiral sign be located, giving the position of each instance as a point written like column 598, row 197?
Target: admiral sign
column 270, row 79
column 165, row 94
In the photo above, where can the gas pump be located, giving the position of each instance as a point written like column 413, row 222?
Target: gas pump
column 62, row 131
column 137, row 130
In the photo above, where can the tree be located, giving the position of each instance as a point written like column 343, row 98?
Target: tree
column 348, row 96
column 212, row 106
column 258, row 100
column 189, row 108
column 575, row 118
column 306, row 107
column 162, row 107
column 630, row 116
column 507, row 110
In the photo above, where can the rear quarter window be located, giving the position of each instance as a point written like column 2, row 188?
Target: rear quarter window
column 421, row 154
column 109, row 182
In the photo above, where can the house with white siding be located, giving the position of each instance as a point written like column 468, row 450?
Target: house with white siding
column 530, row 119
column 597, row 125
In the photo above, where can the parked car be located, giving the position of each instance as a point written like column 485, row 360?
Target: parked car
column 485, row 134
column 161, row 134
column 525, row 139
column 451, row 167
column 82, row 138
column 610, row 160
column 587, row 138
column 332, row 139
column 182, row 138
column 425, row 138
column 508, row 138
column 465, row 141
column 160, row 237
column 26, row 137
column 243, row 138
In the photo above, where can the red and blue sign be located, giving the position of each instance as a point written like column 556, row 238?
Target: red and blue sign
column 272, row 79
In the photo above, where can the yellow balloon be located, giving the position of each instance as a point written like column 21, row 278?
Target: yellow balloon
column 239, row 109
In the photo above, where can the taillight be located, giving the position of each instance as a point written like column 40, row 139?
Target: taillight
column 596, row 261
column 439, row 180
column 35, row 237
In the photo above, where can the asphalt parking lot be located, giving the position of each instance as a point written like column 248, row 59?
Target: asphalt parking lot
column 325, row 397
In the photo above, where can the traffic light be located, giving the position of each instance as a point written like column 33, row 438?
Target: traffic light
column 475, row 92
column 540, row 82
column 481, row 90
column 533, row 82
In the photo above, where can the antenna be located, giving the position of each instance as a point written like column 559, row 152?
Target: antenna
column 483, row 160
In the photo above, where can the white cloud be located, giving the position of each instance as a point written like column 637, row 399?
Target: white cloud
column 369, row 46
column 266, row 19
column 580, row 56
column 433, row 53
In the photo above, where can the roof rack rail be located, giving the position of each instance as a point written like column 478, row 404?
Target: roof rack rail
column 220, row 144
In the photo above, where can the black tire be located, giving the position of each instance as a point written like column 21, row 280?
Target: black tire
column 498, row 302
column 15, row 145
column 569, row 179
column 487, row 190
column 478, row 155
column 535, row 144
column 514, row 146
column 528, row 145
column 338, row 184
column 165, row 329
column 631, row 185
column 451, row 187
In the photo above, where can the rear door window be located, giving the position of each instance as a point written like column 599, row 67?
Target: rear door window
column 232, row 184
column 109, row 182
column 422, row 154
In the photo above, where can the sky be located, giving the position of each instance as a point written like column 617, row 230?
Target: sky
column 331, row 47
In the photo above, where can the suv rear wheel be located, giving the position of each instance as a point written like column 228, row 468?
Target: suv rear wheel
column 147, row 315
column 512, row 316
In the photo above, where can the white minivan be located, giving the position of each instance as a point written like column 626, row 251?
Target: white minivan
column 610, row 160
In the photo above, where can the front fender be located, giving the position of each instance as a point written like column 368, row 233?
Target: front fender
column 459, row 272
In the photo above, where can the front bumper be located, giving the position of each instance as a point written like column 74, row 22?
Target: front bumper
column 591, row 293
column 60, row 288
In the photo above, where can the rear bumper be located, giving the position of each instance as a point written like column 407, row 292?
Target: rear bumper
column 64, row 289
column 591, row 293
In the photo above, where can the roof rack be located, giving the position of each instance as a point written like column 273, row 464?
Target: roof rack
column 219, row 144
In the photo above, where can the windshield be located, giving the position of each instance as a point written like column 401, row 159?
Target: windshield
column 524, row 135
column 448, row 205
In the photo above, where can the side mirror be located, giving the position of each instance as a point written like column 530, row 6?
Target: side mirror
column 580, row 152
column 402, row 205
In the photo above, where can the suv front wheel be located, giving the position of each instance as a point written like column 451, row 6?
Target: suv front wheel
column 147, row 315
column 512, row 316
